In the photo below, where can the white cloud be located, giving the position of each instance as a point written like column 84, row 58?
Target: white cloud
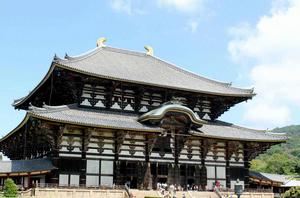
column 192, row 26
column 266, row 113
column 186, row 6
column 122, row 6
column 190, row 8
column 271, row 49
column 129, row 7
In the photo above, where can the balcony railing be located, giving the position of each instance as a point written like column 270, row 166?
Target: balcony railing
column 81, row 186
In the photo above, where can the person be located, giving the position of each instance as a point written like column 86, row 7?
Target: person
column 218, row 184
column 158, row 186
column 128, row 184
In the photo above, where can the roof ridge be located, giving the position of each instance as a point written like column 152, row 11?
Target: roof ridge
column 48, row 108
column 127, row 51
column 82, row 56
column 96, row 50
column 219, row 122
column 261, row 131
column 193, row 74
column 132, row 52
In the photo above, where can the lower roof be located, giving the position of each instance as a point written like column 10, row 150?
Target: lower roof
column 72, row 114
column 269, row 177
column 26, row 166
column 283, row 180
column 224, row 130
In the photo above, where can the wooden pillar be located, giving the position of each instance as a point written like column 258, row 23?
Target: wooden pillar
column 246, row 165
column 117, row 173
column 227, row 158
column 55, row 173
column 186, row 174
column 176, row 149
column 25, row 141
column 56, row 136
column 117, row 164
column 147, row 180
column 176, row 156
column 29, row 181
column 198, row 175
column 85, row 136
column 203, row 171
column 140, row 174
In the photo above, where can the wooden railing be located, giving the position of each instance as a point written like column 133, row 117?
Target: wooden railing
column 81, row 186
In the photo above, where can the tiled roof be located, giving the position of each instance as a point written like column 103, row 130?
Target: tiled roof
column 90, row 117
column 137, row 67
column 270, row 177
column 219, row 129
column 285, row 180
column 292, row 183
column 25, row 166
column 72, row 114
column 108, row 119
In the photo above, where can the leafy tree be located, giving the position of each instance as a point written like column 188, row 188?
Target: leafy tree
column 10, row 188
column 283, row 158
column 258, row 165
column 293, row 192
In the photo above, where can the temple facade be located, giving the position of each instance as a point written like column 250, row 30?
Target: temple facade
column 112, row 116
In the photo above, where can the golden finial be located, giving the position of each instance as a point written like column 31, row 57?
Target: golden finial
column 149, row 50
column 101, row 41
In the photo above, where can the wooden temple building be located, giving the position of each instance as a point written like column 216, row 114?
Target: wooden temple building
column 112, row 116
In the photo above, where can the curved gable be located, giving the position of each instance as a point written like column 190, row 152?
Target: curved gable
column 159, row 113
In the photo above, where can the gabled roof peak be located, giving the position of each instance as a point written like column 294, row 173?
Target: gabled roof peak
column 56, row 58
column 101, row 41
column 139, row 68
column 110, row 61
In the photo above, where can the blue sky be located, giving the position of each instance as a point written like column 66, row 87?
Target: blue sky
column 229, row 41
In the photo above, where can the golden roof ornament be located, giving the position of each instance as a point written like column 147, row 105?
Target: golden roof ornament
column 101, row 41
column 149, row 50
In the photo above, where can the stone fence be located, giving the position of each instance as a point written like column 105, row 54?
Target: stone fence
column 74, row 193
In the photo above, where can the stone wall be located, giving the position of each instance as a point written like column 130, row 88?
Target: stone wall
column 78, row 193
column 252, row 195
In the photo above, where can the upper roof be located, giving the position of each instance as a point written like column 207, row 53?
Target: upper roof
column 71, row 114
column 141, row 68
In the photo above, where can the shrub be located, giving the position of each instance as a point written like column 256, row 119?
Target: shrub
column 291, row 193
column 151, row 197
column 10, row 188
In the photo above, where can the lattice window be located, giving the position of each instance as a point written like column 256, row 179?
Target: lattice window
column 93, row 96
column 150, row 101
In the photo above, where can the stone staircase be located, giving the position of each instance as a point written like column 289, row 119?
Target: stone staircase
column 199, row 194
column 179, row 194
column 144, row 193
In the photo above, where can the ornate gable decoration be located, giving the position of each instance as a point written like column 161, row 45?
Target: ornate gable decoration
column 174, row 106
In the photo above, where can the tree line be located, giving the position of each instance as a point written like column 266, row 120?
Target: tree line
column 283, row 158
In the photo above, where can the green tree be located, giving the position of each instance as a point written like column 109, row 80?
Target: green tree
column 283, row 158
column 10, row 188
column 294, row 192
column 258, row 165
